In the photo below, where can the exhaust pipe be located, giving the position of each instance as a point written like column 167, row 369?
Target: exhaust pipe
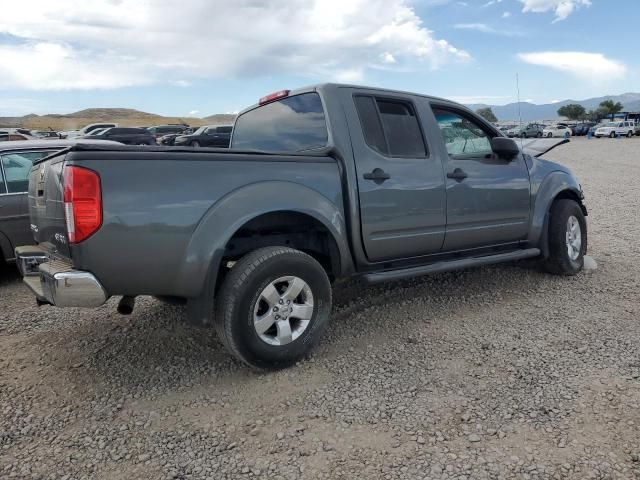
column 125, row 307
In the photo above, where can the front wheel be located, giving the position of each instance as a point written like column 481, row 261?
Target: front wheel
column 549, row 135
column 273, row 307
column 612, row 135
column 629, row 134
column 195, row 144
column 567, row 237
column 539, row 135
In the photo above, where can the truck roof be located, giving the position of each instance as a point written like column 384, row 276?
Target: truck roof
column 332, row 86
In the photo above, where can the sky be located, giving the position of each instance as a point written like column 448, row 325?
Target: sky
column 199, row 57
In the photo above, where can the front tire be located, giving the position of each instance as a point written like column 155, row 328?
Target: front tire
column 567, row 237
column 612, row 135
column 195, row 144
column 273, row 307
column 549, row 135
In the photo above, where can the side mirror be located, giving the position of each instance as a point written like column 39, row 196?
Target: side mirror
column 504, row 147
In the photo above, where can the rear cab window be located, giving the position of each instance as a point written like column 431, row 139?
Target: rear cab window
column 292, row 124
column 390, row 126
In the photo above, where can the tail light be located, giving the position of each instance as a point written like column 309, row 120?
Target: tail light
column 82, row 202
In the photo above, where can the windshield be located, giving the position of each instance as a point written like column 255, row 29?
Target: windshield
column 293, row 124
column 611, row 124
column 200, row 131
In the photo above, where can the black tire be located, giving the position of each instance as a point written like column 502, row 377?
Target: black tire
column 539, row 135
column 559, row 261
column 629, row 134
column 612, row 135
column 549, row 135
column 240, row 293
column 523, row 135
column 195, row 144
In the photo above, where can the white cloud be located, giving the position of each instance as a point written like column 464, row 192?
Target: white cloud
column 194, row 112
column 506, row 14
column 593, row 67
column 484, row 28
column 77, row 44
column 489, row 99
column 561, row 8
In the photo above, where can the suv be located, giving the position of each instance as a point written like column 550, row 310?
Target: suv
column 616, row 129
column 533, row 130
column 162, row 130
column 128, row 136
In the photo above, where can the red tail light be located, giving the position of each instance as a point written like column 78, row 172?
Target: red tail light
column 272, row 97
column 82, row 202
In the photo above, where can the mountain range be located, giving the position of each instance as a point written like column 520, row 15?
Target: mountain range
column 549, row 111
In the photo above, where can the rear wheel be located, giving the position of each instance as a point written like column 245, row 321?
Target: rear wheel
column 549, row 135
column 612, row 135
column 567, row 238
column 273, row 307
column 629, row 134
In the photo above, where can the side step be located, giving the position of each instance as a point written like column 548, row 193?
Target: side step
column 446, row 266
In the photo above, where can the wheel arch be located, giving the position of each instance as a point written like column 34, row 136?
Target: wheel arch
column 556, row 186
column 245, row 210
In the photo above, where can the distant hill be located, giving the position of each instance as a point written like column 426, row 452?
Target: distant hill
column 549, row 111
column 220, row 119
column 69, row 121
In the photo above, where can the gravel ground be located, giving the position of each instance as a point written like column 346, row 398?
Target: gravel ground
column 497, row 373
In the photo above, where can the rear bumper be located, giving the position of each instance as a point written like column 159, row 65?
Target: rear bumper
column 56, row 282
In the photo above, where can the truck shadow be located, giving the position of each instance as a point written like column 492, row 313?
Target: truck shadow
column 155, row 348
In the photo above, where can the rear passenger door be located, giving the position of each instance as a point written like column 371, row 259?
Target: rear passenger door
column 400, row 183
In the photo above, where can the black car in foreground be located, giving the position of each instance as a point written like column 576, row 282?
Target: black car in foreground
column 126, row 135
column 207, row 136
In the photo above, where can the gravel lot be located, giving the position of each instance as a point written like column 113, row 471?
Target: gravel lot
column 501, row 372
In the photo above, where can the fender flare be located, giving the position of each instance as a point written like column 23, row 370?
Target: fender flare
column 206, row 247
column 553, row 185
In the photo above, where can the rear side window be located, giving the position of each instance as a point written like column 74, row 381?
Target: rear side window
column 224, row 129
column 293, row 124
column 390, row 126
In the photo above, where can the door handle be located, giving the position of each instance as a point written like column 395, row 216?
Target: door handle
column 378, row 175
column 458, row 174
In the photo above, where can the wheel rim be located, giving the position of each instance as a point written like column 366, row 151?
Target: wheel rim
column 283, row 310
column 573, row 238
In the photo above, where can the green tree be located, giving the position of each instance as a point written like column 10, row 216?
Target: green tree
column 573, row 111
column 610, row 108
column 487, row 114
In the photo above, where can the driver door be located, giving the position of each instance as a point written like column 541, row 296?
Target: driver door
column 488, row 198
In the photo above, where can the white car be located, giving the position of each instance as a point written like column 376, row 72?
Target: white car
column 615, row 129
column 86, row 130
column 556, row 131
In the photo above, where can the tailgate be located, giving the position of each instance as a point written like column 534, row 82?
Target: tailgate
column 46, row 207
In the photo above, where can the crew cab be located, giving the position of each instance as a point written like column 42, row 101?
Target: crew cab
column 320, row 183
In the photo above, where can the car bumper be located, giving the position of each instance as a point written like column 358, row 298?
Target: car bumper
column 56, row 282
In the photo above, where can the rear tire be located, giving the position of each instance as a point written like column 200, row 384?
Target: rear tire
column 567, row 237
column 258, row 303
column 629, row 134
column 612, row 135
column 549, row 135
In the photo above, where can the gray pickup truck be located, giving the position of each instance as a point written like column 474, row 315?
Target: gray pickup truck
column 320, row 183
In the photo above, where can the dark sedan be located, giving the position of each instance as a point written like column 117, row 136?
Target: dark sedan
column 207, row 136
column 16, row 160
column 128, row 136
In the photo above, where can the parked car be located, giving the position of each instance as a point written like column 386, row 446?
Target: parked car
column 162, row 130
column 315, row 187
column 207, row 136
column 170, row 138
column 559, row 130
column 44, row 134
column 581, row 128
column 12, row 137
column 125, row 135
column 86, row 130
column 15, row 164
column 636, row 129
column 615, row 129
column 532, row 130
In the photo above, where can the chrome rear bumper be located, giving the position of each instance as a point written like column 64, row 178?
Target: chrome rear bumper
column 56, row 282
